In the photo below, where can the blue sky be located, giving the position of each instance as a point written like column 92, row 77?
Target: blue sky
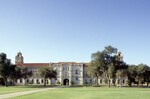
column 71, row 30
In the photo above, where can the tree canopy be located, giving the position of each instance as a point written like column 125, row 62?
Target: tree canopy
column 47, row 72
column 105, row 63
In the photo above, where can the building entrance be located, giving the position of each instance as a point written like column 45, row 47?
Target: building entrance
column 66, row 82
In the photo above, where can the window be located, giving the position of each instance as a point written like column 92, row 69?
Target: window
column 90, row 81
column 42, row 81
column 32, row 81
column 76, row 78
column 76, row 71
column 100, row 80
column 37, row 81
column 46, row 81
column 20, row 80
column 123, row 81
column 27, row 81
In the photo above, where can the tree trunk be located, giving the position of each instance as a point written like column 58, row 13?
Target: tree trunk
column 138, row 83
column 97, row 80
column 109, row 82
column 5, row 80
column 44, row 81
column 25, row 81
column 13, row 81
column 121, row 82
column 51, row 82
column 130, row 84
column 113, row 81
column 147, row 84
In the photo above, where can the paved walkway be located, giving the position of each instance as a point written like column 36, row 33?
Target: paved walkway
column 9, row 95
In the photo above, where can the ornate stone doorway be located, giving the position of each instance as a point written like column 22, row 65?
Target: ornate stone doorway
column 66, row 82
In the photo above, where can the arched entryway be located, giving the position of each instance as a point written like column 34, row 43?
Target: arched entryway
column 66, row 82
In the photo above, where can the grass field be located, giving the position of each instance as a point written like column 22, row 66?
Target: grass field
column 11, row 89
column 90, row 93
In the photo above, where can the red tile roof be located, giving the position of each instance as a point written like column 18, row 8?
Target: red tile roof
column 33, row 64
column 47, row 64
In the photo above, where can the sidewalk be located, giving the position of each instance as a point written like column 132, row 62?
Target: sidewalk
column 9, row 95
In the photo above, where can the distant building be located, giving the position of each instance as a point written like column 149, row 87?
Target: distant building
column 68, row 73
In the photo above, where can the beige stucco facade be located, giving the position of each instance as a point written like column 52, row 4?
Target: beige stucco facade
column 68, row 73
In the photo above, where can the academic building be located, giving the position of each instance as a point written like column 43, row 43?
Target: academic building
column 68, row 73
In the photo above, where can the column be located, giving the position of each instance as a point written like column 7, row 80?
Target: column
column 18, row 81
column 61, row 75
column 70, row 74
column 81, row 74
column 34, row 81
column 23, row 81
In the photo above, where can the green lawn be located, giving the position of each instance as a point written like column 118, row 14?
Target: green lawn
column 91, row 93
column 11, row 89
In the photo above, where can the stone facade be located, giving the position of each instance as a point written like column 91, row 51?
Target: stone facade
column 68, row 73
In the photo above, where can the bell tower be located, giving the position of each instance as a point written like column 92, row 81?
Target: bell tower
column 19, row 58
column 119, row 56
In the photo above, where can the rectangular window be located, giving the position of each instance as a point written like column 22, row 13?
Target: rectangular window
column 20, row 80
column 37, row 81
column 76, row 78
column 100, row 80
column 42, row 81
column 76, row 71
column 27, row 81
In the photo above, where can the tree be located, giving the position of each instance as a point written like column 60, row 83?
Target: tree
column 147, row 75
column 5, row 67
column 131, row 74
column 95, row 67
column 142, row 74
column 106, row 63
column 111, row 72
column 47, row 72
column 102, row 63
column 11, row 72
column 121, row 74
column 109, row 60
column 25, row 73
column 15, row 73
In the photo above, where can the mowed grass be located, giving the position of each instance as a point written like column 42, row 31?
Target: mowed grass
column 90, row 93
column 12, row 89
